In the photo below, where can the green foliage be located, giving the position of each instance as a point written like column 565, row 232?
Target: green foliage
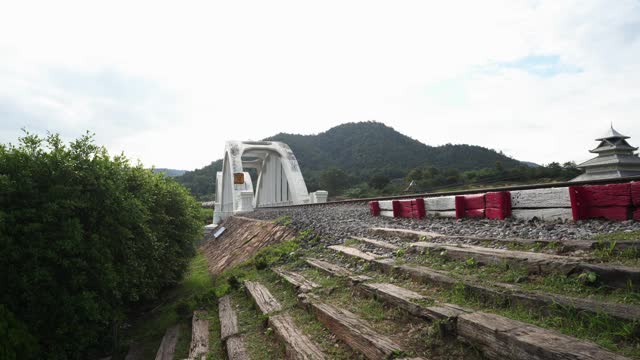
column 334, row 180
column 283, row 220
column 432, row 178
column 276, row 254
column 379, row 181
column 362, row 150
column 206, row 215
column 202, row 182
column 84, row 238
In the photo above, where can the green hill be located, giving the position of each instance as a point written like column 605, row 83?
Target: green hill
column 366, row 148
column 362, row 150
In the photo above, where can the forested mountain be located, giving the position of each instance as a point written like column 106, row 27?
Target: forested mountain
column 366, row 148
column 362, row 150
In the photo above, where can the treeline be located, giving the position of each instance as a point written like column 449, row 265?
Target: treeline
column 429, row 179
column 363, row 150
column 84, row 239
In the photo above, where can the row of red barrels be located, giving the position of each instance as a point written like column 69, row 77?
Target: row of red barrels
column 617, row 202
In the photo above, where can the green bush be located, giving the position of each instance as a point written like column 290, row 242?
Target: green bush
column 84, row 237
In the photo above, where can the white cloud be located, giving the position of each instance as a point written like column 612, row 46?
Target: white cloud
column 169, row 82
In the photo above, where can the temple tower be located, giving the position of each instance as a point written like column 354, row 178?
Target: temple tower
column 616, row 158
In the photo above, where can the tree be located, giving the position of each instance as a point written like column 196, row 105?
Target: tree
column 379, row 181
column 334, row 180
column 84, row 237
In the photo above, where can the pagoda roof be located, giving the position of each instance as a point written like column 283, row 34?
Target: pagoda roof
column 612, row 159
column 604, row 147
column 612, row 133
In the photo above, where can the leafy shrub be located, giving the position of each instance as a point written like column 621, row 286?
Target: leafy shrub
column 85, row 237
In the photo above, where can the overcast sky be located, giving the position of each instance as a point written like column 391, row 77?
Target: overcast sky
column 169, row 82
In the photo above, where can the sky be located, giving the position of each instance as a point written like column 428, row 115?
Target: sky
column 168, row 82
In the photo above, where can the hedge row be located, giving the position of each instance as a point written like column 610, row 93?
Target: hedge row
column 84, row 237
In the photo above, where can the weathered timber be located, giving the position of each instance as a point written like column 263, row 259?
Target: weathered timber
column 168, row 345
column 506, row 294
column 228, row 319
column 614, row 276
column 532, row 261
column 543, row 214
column 235, row 348
column 503, row 338
column 336, row 270
column 298, row 281
column 353, row 331
column 199, row 335
column 262, row 297
column 377, row 243
column 413, row 235
column 354, row 252
column 540, row 263
column 329, row 268
column 409, row 301
column 297, row 345
column 541, row 198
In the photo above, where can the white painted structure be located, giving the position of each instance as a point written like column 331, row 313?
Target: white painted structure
column 279, row 180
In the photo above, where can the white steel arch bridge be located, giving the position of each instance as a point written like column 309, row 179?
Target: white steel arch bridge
column 279, row 179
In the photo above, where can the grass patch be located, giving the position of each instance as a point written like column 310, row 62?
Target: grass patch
column 616, row 335
column 207, row 215
column 195, row 291
column 284, row 220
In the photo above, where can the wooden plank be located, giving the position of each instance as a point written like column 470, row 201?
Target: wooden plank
column 297, row 344
column 354, row 252
column 167, row 347
column 235, row 348
column 298, row 281
column 262, row 297
column 329, row 268
column 377, row 243
column 338, row 271
column 538, row 263
column 541, row 198
column 413, row 235
column 613, row 275
column 532, row 261
column 409, row 301
column 199, row 335
column 508, row 293
column 355, row 332
column 503, row 338
column 543, row 214
column 636, row 215
column 228, row 319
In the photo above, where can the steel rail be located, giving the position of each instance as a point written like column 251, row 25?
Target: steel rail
column 470, row 191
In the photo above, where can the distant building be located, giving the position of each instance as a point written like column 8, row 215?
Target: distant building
column 616, row 158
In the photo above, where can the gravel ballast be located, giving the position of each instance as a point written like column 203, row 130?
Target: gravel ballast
column 336, row 222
